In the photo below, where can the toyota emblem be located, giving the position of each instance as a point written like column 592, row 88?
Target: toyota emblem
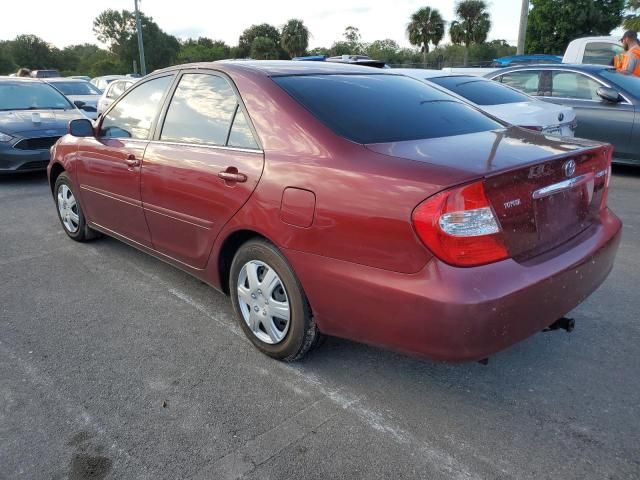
column 561, row 117
column 569, row 168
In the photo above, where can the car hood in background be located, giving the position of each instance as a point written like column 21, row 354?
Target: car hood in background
column 532, row 114
column 483, row 153
column 26, row 122
column 87, row 99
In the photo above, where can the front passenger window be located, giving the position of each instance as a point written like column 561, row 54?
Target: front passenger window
column 574, row 86
column 133, row 116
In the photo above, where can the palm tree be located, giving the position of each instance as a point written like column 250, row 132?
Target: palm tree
column 472, row 26
column 426, row 26
column 295, row 38
column 632, row 21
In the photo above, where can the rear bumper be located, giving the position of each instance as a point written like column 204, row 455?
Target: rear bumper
column 16, row 160
column 457, row 314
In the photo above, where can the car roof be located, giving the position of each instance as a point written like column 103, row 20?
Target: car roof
column 556, row 66
column 21, row 79
column 106, row 77
column 281, row 67
column 64, row 79
column 426, row 74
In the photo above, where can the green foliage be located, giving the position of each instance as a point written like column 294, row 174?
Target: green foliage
column 31, row 52
column 352, row 41
column 295, row 38
column 472, row 25
column 264, row 48
column 341, row 48
column 320, row 51
column 245, row 42
column 203, row 50
column 632, row 20
column 425, row 26
column 7, row 64
column 554, row 23
column 118, row 30
column 115, row 28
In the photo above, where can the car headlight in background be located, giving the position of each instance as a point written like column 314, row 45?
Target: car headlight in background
column 5, row 138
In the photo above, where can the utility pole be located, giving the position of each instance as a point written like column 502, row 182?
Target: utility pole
column 143, row 67
column 522, row 33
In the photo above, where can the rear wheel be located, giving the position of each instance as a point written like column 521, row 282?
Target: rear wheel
column 269, row 302
column 70, row 212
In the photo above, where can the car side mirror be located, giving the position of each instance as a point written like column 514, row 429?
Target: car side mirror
column 609, row 94
column 81, row 127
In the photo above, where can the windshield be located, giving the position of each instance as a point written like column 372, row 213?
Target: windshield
column 31, row 96
column 630, row 83
column 480, row 91
column 76, row 88
column 378, row 108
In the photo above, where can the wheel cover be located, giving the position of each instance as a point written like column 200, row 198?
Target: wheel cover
column 263, row 302
column 68, row 209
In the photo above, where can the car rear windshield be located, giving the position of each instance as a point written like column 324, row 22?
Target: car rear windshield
column 370, row 108
column 31, row 96
column 76, row 88
column 480, row 91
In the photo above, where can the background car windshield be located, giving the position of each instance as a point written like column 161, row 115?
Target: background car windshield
column 31, row 96
column 629, row 82
column 480, row 92
column 77, row 88
column 383, row 108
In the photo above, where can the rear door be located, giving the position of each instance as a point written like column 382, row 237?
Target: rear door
column 108, row 166
column 597, row 119
column 201, row 167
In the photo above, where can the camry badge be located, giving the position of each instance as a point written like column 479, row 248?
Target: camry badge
column 569, row 168
column 561, row 117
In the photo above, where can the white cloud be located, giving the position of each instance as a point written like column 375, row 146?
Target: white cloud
column 67, row 22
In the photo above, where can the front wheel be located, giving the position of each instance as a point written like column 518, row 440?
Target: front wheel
column 70, row 212
column 269, row 302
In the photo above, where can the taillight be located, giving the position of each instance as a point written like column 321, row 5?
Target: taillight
column 606, row 172
column 460, row 228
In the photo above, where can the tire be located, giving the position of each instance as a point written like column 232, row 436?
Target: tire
column 260, row 302
column 70, row 215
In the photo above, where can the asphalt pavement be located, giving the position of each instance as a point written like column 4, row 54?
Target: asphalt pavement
column 114, row 365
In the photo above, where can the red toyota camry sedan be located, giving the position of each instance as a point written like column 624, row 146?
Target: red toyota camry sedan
column 330, row 199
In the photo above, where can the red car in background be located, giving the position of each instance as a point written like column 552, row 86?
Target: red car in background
column 342, row 200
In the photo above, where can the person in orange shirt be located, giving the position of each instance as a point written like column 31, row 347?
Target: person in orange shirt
column 629, row 62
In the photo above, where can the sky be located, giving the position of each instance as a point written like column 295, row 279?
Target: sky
column 68, row 22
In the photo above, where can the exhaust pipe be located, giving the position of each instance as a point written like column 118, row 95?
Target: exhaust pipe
column 563, row 323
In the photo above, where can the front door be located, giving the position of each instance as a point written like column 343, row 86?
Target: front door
column 202, row 166
column 108, row 166
column 597, row 119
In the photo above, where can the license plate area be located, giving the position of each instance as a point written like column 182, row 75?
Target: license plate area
column 562, row 210
column 553, row 131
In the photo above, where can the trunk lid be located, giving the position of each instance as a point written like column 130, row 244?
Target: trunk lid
column 544, row 190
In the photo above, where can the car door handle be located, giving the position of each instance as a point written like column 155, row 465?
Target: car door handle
column 232, row 176
column 132, row 161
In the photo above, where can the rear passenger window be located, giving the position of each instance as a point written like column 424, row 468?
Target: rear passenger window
column 201, row 110
column 526, row 81
column 241, row 135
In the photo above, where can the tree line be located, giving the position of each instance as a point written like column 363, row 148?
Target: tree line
column 552, row 25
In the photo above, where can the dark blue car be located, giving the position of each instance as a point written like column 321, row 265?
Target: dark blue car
column 33, row 116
